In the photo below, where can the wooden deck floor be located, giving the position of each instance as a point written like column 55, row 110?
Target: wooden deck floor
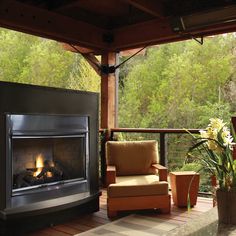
column 86, row 222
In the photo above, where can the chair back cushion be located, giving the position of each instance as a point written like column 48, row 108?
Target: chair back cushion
column 132, row 157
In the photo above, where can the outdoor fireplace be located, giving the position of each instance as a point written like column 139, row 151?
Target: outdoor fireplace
column 48, row 156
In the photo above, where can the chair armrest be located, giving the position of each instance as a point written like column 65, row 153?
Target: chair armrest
column 110, row 175
column 162, row 170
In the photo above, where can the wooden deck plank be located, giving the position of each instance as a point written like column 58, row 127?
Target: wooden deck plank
column 89, row 221
column 49, row 232
column 66, row 229
column 78, row 226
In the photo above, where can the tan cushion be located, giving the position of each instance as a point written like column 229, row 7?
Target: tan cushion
column 132, row 157
column 137, row 185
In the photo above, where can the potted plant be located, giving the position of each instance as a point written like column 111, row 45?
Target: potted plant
column 213, row 148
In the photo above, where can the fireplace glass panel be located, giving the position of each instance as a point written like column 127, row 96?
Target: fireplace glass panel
column 43, row 161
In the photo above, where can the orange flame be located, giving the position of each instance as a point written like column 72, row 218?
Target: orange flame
column 39, row 164
column 49, row 174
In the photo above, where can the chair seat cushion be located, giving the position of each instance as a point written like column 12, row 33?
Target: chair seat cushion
column 137, row 185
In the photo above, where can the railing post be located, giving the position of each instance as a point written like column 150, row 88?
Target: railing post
column 163, row 149
column 111, row 135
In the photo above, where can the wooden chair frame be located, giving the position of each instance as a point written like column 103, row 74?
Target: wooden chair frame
column 114, row 204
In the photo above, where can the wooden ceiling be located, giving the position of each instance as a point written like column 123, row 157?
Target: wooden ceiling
column 114, row 25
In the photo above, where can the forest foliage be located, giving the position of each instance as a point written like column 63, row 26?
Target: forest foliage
column 33, row 60
column 180, row 85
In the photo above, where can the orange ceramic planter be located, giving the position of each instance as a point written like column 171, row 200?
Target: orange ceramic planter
column 180, row 182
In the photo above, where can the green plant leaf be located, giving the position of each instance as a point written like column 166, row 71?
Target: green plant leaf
column 195, row 146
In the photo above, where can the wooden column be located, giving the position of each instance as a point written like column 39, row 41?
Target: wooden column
column 108, row 105
column 108, row 93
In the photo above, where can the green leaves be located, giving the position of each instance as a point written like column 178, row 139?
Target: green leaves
column 178, row 85
column 198, row 144
column 33, row 60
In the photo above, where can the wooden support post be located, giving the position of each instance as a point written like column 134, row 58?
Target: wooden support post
column 108, row 93
column 108, row 104
column 163, row 149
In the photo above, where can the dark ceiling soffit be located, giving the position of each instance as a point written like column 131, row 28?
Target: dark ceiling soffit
column 32, row 20
column 63, row 4
column 152, row 7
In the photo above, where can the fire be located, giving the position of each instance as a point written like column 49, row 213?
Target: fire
column 49, row 174
column 39, row 164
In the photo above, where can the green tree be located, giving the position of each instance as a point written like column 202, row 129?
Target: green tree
column 14, row 47
column 33, row 60
column 177, row 85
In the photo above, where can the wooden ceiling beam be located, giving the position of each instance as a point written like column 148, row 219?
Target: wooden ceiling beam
column 18, row 16
column 152, row 7
column 130, row 52
column 158, row 32
column 138, row 35
column 77, row 48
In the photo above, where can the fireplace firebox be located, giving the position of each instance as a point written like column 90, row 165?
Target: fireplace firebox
column 54, row 152
column 48, row 156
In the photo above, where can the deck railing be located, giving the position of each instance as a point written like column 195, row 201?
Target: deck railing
column 163, row 136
